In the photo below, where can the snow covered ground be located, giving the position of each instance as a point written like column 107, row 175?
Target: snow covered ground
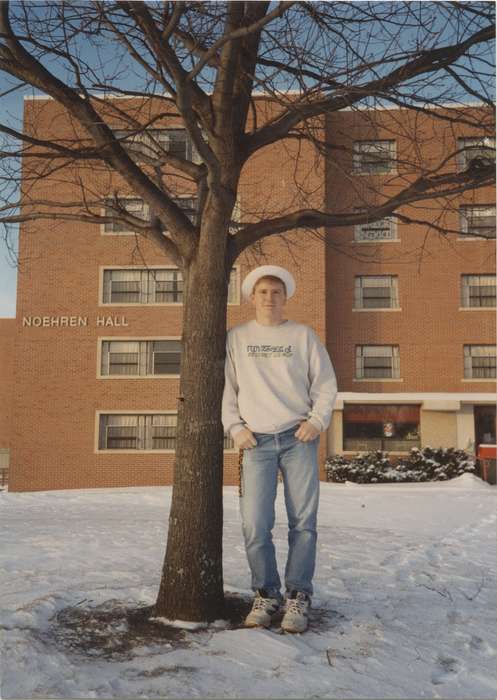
column 404, row 596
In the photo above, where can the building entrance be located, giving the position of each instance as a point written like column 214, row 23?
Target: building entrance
column 485, row 426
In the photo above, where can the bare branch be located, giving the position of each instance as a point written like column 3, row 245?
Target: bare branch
column 423, row 188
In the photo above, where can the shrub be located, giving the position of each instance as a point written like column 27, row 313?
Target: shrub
column 427, row 464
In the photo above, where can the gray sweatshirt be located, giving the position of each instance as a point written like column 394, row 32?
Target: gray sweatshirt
column 276, row 376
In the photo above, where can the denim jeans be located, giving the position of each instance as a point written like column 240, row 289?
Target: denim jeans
column 298, row 463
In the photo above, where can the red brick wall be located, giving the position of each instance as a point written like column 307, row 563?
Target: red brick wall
column 7, row 330
column 53, row 444
column 430, row 329
column 53, row 431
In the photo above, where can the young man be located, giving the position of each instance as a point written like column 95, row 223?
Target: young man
column 279, row 394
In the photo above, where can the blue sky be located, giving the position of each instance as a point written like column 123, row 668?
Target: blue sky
column 10, row 112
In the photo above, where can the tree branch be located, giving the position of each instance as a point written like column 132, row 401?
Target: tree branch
column 423, row 188
column 426, row 62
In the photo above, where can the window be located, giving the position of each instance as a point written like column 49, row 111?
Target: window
column 152, row 144
column 141, row 432
column 478, row 291
column 478, row 221
column 374, row 156
column 189, row 206
column 164, row 356
column 388, row 427
column 133, row 205
column 124, row 286
column 140, row 358
column 167, row 286
column 154, row 286
column 138, row 208
column 377, row 362
column 234, row 286
column 376, row 292
column 137, row 432
column 479, row 361
column 475, row 151
column 380, row 230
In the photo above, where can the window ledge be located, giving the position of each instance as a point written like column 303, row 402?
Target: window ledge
column 148, row 452
column 378, row 380
column 395, row 308
column 120, row 233
column 134, row 452
column 381, row 240
column 477, row 308
column 488, row 379
column 140, row 304
column 138, row 376
column 104, row 305
column 385, row 173
column 475, row 238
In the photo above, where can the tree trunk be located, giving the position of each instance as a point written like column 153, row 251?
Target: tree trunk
column 192, row 579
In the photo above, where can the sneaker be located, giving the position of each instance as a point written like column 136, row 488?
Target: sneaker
column 296, row 617
column 262, row 611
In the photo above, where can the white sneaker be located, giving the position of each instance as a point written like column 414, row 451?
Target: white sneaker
column 296, row 616
column 262, row 611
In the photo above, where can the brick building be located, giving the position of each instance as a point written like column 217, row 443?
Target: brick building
column 91, row 361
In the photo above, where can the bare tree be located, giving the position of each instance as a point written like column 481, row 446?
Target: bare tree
column 200, row 65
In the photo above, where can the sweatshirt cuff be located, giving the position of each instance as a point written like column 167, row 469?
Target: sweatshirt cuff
column 316, row 423
column 235, row 429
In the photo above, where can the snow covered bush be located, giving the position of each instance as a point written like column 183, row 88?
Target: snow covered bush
column 427, row 464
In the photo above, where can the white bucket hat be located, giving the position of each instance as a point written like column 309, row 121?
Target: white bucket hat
column 265, row 271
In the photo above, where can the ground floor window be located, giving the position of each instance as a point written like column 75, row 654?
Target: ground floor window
column 480, row 361
column 485, row 425
column 388, row 427
column 128, row 431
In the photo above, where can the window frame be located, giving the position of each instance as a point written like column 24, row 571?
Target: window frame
column 140, row 137
column 465, row 289
column 125, row 232
column 465, row 235
column 462, row 149
column 357, row 159
column 359, row 288
column 145, row 354
column 393, row 413
column 142, row 450
column 359, row 375
column 235, row 272
column 392, row 226
column 468, row 361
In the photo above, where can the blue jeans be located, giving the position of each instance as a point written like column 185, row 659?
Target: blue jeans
column 298, row 463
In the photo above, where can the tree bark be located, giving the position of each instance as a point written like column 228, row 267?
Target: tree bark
column 192, row 579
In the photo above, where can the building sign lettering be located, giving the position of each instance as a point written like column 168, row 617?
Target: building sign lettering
column 71, row 321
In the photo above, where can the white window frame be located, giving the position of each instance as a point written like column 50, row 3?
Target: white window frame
column 144, row 208
column 142, row 363
column 390, row 282
column 177, row 201
column 143, row 415
column 362, row 148
column 144, row 139
column 468, row 281
column 379, row 225
column 144, row 293
column 485, row 144
column 470, row 351
column 463, row 221
column 363, row 351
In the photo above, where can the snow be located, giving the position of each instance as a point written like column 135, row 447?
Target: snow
column 404, row 603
